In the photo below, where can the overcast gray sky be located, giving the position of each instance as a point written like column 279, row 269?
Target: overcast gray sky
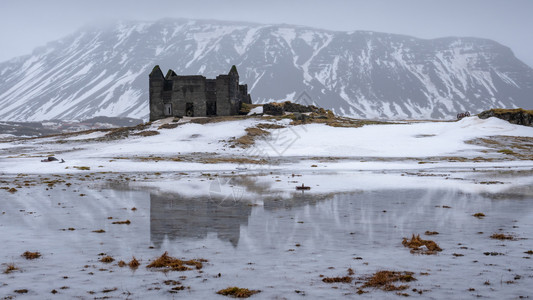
column 27, row 24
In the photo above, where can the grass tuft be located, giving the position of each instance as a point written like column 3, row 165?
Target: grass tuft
column 385, row 280
column 237, row 292
column 31, row 255
column 10, row 268
column 127, row 222
column 416, row 243
column 345, row 279
column 107, row 259
column 134, row 263
column 479, row 215
column 501, row 236
column 171, row 263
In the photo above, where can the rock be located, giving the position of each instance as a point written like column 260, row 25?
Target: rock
column 277, row 109
column 273, row 109
column 515, row 116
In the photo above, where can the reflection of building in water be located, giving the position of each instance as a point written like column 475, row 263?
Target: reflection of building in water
column 177, row 217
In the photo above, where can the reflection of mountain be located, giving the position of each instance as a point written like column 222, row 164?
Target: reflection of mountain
column 175, row 216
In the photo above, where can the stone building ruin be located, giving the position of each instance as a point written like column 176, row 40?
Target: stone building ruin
column 194, row 95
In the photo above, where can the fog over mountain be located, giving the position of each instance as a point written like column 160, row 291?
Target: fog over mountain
column 104, row 70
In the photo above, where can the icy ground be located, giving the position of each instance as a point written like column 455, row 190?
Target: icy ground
column 193, row 197
column 257, row 232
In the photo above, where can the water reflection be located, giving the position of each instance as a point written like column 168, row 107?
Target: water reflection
column 174, row 216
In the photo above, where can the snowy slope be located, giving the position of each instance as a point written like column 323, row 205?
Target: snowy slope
column 399, row 147
column 104, row 71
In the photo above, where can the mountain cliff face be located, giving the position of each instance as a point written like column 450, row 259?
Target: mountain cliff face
column 104, row 71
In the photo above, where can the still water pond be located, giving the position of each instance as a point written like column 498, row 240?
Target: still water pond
column 283, row 245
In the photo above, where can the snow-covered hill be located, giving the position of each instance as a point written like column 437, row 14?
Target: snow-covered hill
column 104, row 71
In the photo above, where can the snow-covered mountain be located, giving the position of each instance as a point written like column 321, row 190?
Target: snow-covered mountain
column 104, row 71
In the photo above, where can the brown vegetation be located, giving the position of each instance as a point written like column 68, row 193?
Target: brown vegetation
column 416, row 242
column 234, row 160
column 431, row 233
column 107, row 259
column 237, row 292
column 82, row 168
column 479, row 215
column 10, row 268
column 99, row 231
column 269, row 126
column 501, row 236
column 134, row 263
column 169, row 126
column 345, row 279
column 252, row 133
column 148, row 133
column 31, row 255
column 385, row 280
column 121, row 263
column 174, row 264
column 217, row 119
column 127, row 222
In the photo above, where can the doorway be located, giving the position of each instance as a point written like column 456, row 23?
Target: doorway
column 211, row 108
column 168, row 109
column 189, row 109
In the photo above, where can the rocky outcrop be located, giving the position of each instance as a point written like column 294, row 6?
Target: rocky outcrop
column 277, row 109
column 273, row 109
column 516, row 116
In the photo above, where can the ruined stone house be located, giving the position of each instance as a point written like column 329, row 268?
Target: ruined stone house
column 195, row 96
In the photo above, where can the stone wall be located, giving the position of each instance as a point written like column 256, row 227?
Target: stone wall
column 156, row 93
column 189, row 96
column 195, row 95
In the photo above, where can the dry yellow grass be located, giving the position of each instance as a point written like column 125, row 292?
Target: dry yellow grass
column 127, row 222
column 134, row 263
column 385, row 280
column 171, row 263
column 345, row 279
column 148, row 133
column 269, row 126
column 416, row 242
column 249, row 139
column 237, row 292
column 107, row 259
column 501, row 236
column 10, row 268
